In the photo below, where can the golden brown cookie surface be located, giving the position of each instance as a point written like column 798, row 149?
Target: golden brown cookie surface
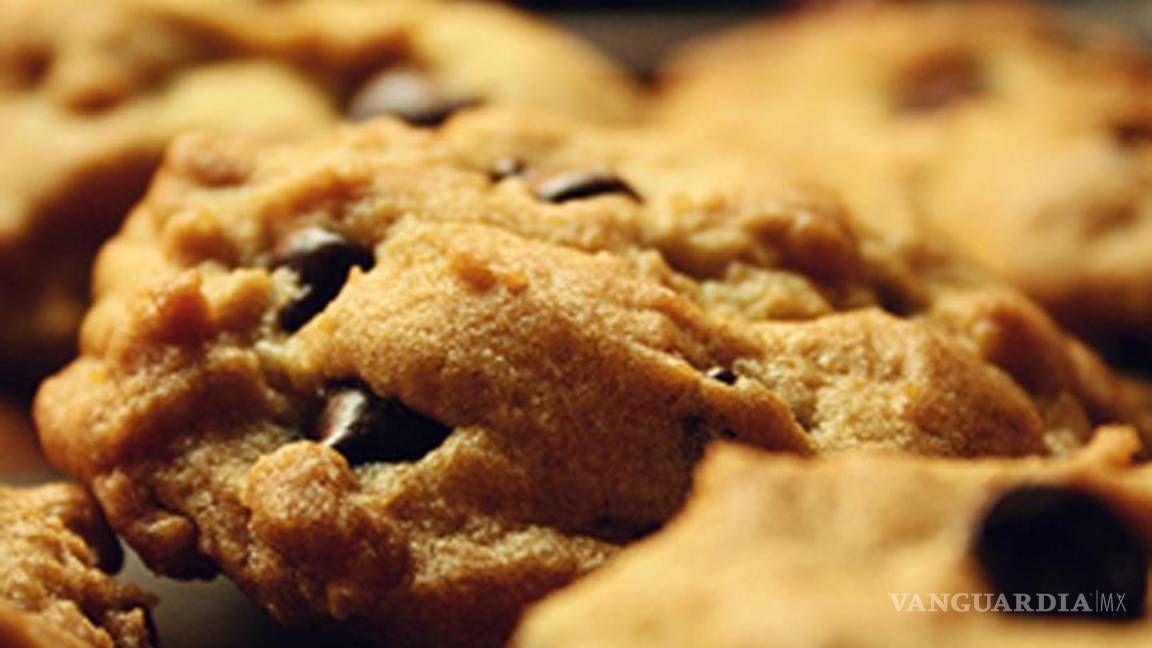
column 1020, row 134
column 414, row 378
column 91, row 92
column 880, row 550
column 54, row 548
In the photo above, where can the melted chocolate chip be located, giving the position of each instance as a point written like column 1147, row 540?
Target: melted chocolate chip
column 366, row 428
column 321, row 260
column 726, row 376
column 31, row 64
column 938, row 81
column 620, row 531
column 574, row 185
column 1050, row 540
column 408, row 94
column 1133, row 133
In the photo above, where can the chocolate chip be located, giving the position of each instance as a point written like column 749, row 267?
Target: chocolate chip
column 1051, row 540
column 321, row 260
column 31, row 64
column 409, row 94
column 366, row 428
column 938, row 81
column 726, row 376
column 700, row 431
column 1132, row 133
column 506, row 167
column 619, row 531
column 574, row 185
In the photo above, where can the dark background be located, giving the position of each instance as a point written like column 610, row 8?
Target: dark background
column 639, row 31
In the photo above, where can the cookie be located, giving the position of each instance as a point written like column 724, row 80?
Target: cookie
column 412, row 379
column 1019, row 133
column 880, row 550
column 92, row 91
column 55, row 551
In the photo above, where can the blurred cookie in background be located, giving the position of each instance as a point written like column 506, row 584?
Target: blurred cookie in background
column 1060, row 201
column 880, row 550
column 1021, row 134
column 92, row 91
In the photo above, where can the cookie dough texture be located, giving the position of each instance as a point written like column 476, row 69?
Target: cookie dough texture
column 92, row 90
column 1021, row 134
column 54, row 592
column 775, row 550
column 413, row 378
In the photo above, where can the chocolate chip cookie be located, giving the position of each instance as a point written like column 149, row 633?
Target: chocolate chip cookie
column 55, row 551
column 413, row 378
column 92, row 90
column 880, row 550
column 1021, row 134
